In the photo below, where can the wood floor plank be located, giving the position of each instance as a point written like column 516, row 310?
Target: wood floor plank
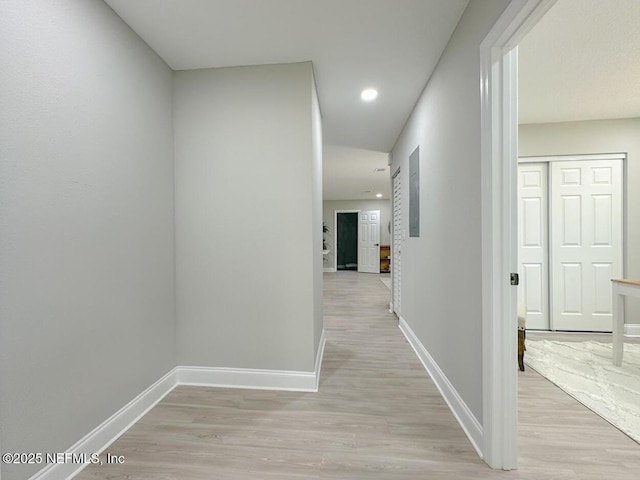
column 377, row 415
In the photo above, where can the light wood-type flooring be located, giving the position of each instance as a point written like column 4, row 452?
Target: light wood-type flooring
column 377, row 416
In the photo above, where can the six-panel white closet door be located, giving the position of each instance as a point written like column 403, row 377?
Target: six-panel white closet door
column 369, row 241
column 585, row 242
column 533, row 243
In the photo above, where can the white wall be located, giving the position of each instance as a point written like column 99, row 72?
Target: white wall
column 328, row 215
column 86, row 222
column 246, row 233
column 441, row 270
column 316, row 217
column 598, row 136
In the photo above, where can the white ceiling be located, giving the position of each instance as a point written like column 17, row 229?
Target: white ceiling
column 392, row 45
column 355, row 174
column 581, row 62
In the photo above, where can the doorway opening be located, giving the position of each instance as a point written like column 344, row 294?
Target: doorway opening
column 347, row 241
column 499, row 127
column 500, row 151
column 357, row 240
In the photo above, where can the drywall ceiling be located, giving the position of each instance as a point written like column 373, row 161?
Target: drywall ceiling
column 392, row 45
column 581, row 62
column 355, row 174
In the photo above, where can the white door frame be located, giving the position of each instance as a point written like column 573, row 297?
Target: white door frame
column 499, row 134
column 335, row 235
column 573, row 158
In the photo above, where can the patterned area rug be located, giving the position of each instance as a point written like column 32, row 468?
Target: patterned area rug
column 584, row 370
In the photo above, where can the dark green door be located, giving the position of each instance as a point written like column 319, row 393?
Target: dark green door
column 347, row 241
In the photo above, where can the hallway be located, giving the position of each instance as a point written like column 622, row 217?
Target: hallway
column 377, row 415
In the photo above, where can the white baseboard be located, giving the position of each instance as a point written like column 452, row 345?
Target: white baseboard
column 246, row 378
column 319, row 356
column 461, row 411
column 108, row 431
column 253, row 379
column 632, row 329
column 329, row 270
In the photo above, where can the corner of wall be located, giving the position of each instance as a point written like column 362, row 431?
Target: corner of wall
column 465, row 417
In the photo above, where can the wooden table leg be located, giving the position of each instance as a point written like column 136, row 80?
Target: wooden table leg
column 521, row 338
column 618, row 326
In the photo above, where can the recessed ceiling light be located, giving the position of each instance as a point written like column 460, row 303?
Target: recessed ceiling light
column 369, row 94
column 379, row 195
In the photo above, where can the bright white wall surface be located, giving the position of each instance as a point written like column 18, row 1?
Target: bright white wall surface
column 330, row 206
column 86, row 222
column 441, row 269
column 247, row 236
column 598, row 136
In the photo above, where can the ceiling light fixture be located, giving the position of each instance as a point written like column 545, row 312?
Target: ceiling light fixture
column 369, row 94
column 379, row 195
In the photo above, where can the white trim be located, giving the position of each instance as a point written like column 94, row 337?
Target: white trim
column 247, row 378
column 108, row 431
column 632, row 329
column 573, row 158
column 319, row 356
column 253, row 379
column 499, row 134
column 329, row 270
column 460, row 410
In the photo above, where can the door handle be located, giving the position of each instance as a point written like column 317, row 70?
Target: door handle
column 376, row 244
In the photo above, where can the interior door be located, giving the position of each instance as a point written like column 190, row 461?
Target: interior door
column 533, row 243
column 586, row 242
column 346, row 241
column 369, row 241
column 397, row 242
